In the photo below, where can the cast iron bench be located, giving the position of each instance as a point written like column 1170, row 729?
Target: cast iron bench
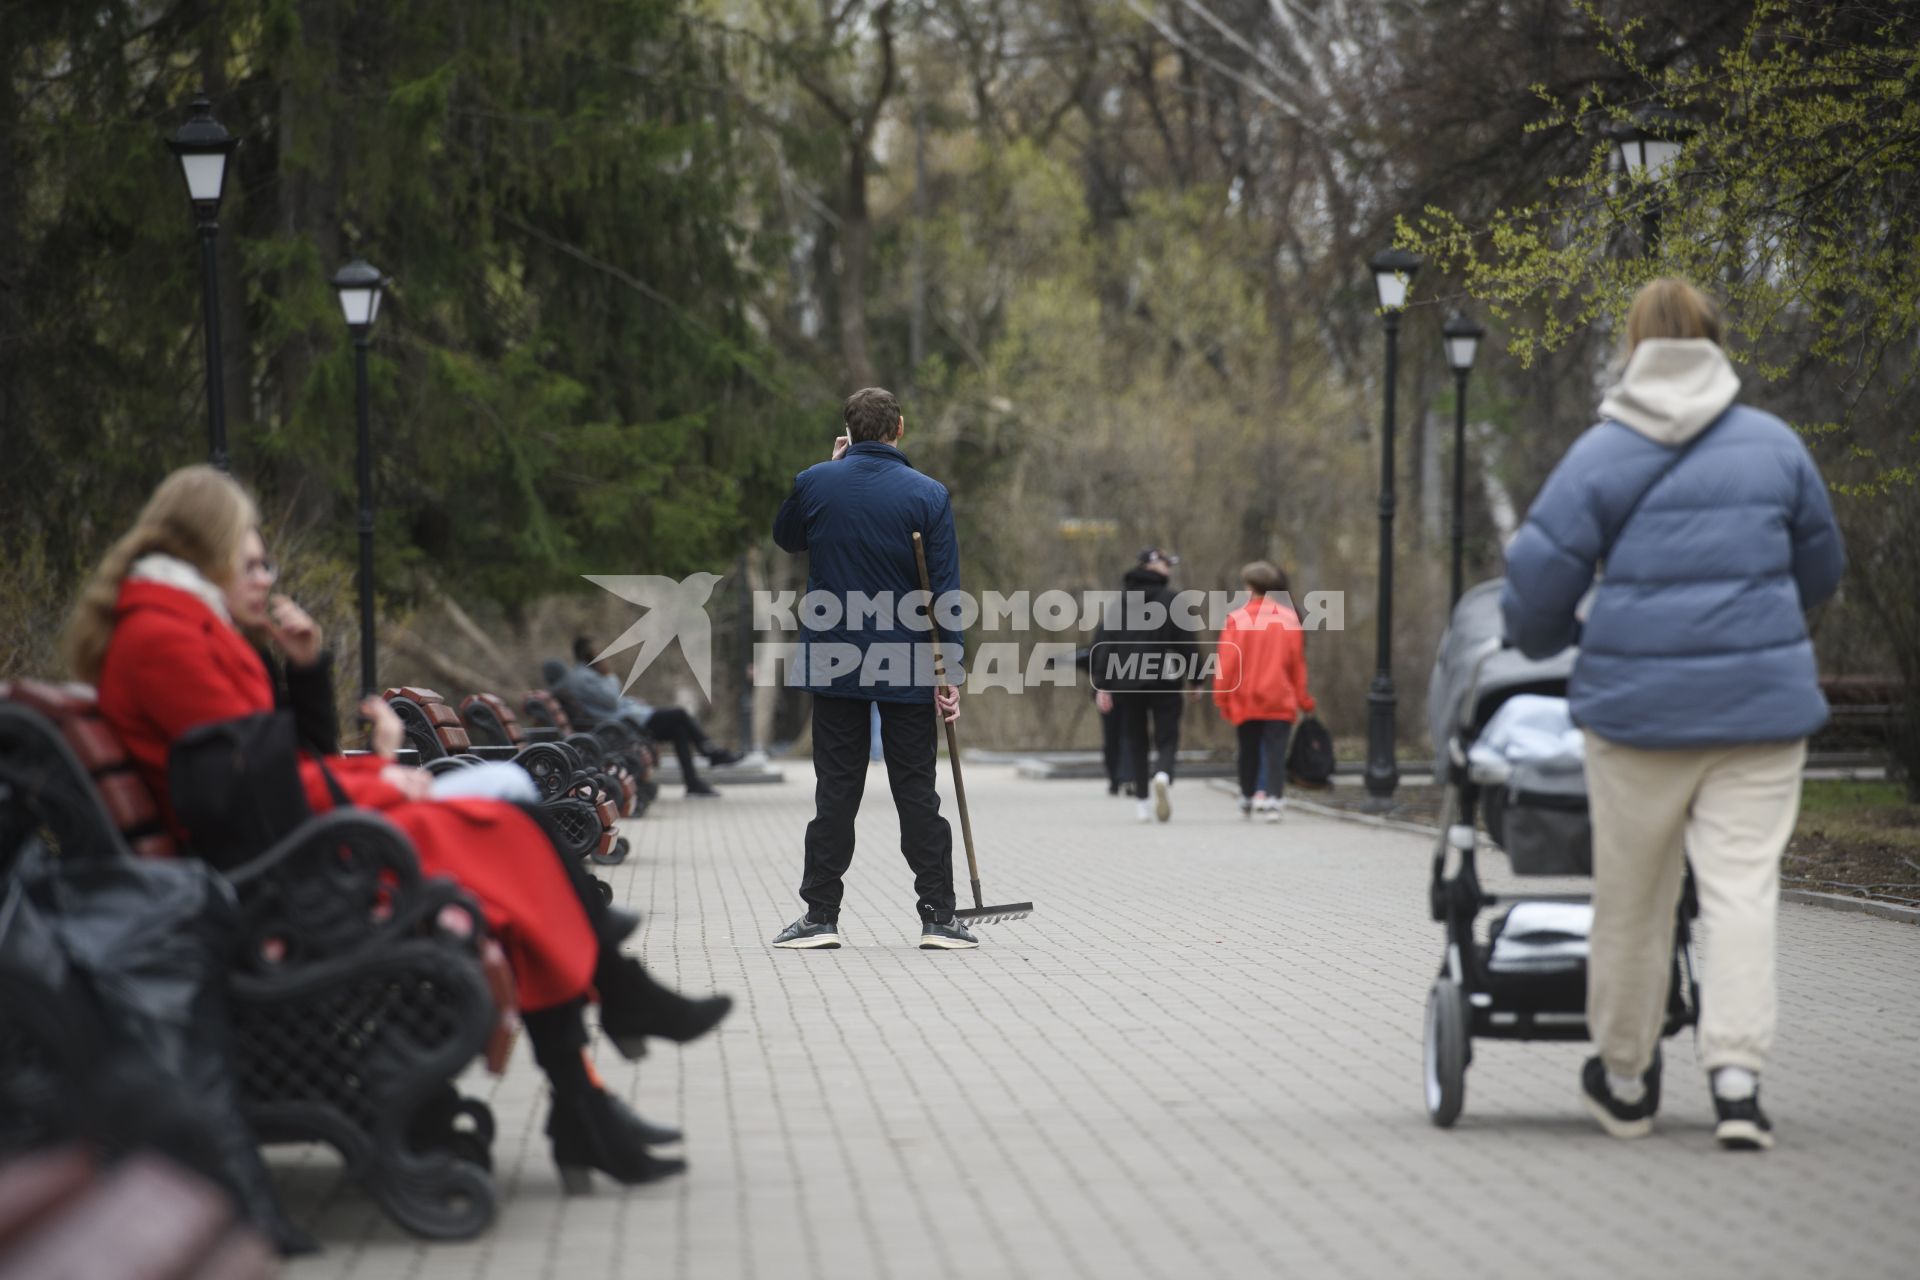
column 581, row 800
column 490, row 723
column 359, row 989
column 612, row 740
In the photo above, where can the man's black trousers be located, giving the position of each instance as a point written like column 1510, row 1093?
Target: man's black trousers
column 1134, row 708
column 908, row 730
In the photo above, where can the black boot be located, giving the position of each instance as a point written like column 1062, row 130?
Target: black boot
column 590, row 1129
column 633, row 1006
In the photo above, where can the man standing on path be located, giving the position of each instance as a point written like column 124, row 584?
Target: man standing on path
column 1142, row 657
column 855, row 516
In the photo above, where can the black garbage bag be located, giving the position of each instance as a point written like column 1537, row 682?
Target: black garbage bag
column 46, row 1039
column 151, row 941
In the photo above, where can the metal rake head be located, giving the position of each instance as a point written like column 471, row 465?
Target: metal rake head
column 995, row 915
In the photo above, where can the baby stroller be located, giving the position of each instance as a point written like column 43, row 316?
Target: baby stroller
column 1509, row 758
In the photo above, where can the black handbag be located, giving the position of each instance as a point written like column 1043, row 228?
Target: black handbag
column 1310, row 754
column 236, row 789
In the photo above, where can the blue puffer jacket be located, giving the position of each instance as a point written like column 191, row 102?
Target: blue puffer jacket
column 855, row 519
column 1695, row 637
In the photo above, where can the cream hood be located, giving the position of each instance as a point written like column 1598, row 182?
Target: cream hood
column 1672, row 388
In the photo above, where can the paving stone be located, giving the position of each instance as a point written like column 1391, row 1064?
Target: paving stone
column 1200, row 1057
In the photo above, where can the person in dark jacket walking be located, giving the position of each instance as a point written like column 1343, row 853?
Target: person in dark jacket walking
column 1142, row 657
column 855, row 516
column 1696, row 687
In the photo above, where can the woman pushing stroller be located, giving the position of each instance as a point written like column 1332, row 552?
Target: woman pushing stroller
column 1696, row 689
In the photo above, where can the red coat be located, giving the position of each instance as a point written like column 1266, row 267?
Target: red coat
column 173, row 664
column 1263, row 664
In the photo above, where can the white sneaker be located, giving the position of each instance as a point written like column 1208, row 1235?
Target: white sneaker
column 1143, row 810
column 1246, row 807
column 1162, row 803
column 1275, row 808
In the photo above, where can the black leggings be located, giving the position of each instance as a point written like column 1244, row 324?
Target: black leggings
column 1270, row 736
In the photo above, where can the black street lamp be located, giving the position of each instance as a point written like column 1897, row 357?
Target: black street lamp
column 1393, row 272
column 1647, row 145
column 1462, row 337
column 204, row 148
column 359, row 287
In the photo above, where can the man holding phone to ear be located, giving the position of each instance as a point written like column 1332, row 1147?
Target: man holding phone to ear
column 855, row 516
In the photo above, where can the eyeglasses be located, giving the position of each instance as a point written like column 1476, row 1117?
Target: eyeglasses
column 261, row 567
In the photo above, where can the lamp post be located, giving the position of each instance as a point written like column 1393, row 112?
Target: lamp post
column 204, row 147
column 1393, row 271
column 1647, row 145
column 1462, row 339
column 359, row 287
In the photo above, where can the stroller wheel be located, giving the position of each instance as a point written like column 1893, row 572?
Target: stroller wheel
column 1445, row 1056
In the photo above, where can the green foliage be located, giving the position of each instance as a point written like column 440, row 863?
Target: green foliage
column 563, row 380
column 1796, row 200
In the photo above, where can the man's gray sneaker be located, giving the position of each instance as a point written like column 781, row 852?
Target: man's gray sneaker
column 804, row 934
column 951, row 936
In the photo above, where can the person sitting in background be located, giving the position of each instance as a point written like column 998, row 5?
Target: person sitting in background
column 592, row 688
column 163, row 629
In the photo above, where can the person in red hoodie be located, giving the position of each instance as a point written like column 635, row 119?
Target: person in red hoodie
column 162, row 630
column 1260, row 685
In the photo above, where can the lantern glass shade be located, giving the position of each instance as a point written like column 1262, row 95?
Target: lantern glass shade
column 1646, row 155
column 1392, row 274
column 359, row 285
column 1460, row 352
column 1657, row 154
column 206, row 173
column 360, row 304
column 1392, row 288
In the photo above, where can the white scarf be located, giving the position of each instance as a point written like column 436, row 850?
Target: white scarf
column 171, row 571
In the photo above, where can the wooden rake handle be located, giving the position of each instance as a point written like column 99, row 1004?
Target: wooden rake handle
column 953, row 739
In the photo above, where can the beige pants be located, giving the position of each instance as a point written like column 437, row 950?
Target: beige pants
column 1728, row 811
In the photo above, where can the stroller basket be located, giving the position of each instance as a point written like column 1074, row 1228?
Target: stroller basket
column 1540, row 821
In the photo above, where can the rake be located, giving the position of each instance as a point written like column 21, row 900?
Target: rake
column 980, row 914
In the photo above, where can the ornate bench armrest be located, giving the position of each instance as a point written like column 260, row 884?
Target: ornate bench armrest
column 342, row 882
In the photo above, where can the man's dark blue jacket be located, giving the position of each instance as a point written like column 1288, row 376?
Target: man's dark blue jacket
column 855, row 519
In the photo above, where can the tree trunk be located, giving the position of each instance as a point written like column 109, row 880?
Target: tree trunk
column 14, row 163
column 309, row 186
column 856, row 244
column 236, row 337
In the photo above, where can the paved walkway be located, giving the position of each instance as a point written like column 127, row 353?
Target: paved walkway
column 1200, row 1058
